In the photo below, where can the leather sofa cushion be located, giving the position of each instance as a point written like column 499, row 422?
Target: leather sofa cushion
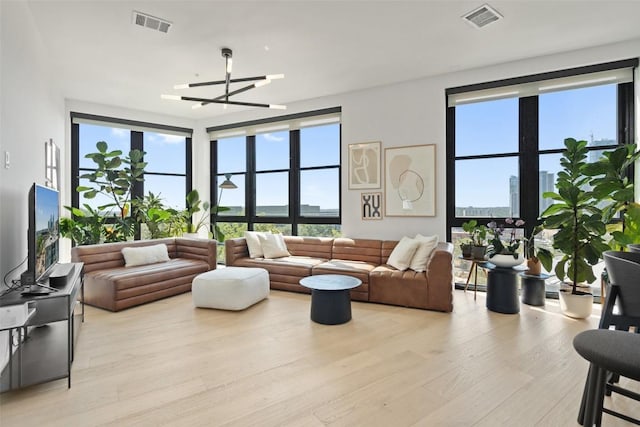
column 124, row 278
column 290, row 266
column 365, row 250
column 315, row 247
column 357, row 269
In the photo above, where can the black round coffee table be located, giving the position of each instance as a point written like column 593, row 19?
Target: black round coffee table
column 330, row 297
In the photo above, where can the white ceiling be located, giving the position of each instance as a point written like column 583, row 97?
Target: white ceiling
column 323, row 47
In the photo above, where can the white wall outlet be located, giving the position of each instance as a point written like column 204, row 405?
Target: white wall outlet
column 7, row 160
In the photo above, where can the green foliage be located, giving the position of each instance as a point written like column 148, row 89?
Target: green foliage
column 159, row 220
column 477, row 233
column 576, row 217
column 84, row 227
column 611, row 184
column 114, row 177
column 535, row 253
column 319, row 230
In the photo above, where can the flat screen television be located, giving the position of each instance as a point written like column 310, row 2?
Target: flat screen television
column 43, row 232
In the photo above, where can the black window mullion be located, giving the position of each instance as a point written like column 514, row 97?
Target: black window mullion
column 137, row 190
column 75, row 164
column 250, row 182
column 188, row 165
column 450, row 168
column 137, row 143
column 213, row 179
column 294, row 180
column 529, row 161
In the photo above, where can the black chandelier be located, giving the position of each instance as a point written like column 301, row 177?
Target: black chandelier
column 259, row 81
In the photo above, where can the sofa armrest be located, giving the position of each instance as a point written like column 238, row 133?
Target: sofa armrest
column 440, row 270
column 201, row 249
column 235, row 249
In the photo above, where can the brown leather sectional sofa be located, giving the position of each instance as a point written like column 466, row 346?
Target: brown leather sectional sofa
column 361, row 258
column 110, row 285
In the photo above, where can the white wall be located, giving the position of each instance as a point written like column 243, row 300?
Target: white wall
column 413, row 113
column 32, row 111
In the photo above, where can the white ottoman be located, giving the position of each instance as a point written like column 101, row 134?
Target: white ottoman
column 230, row 288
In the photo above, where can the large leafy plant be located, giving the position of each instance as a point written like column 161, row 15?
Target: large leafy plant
column 114, row 177
column 612, row 184
column 576, row 216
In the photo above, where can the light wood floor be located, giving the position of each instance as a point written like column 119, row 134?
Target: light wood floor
column 166, row 363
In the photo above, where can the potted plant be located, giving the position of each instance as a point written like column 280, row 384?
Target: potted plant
column 478, row 234
column 611, row 183
column 194, row 223
column 504, row 253
column 537, row 257
column 465, row 246
column 114, row 177
column 578, row 219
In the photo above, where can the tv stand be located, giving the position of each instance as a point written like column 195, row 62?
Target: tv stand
column 45, row 353
column 33, row 290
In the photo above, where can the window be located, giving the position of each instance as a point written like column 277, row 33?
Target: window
column 287, row 174
column 166, row 171
column 505, row 139
column 168, row 156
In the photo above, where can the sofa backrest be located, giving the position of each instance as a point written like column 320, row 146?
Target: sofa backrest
column 366, row 250
column 235, row 249
column 109, row 255
column 316, row 247
column 389, row 245
column 387, row 248
column 201, row 249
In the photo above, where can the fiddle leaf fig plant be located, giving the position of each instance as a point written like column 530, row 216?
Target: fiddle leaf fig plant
column 612, row 184
column 576, row 216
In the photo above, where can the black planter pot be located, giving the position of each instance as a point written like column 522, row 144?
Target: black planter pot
column 478, row 252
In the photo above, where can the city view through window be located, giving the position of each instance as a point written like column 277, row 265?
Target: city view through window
column 488, row 153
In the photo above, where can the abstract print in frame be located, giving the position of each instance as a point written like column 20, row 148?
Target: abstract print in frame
column 371, row 205
column 410, row 181
column 364, row 165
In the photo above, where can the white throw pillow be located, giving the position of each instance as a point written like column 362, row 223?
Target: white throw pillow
column 402, row 254
column 273, row 245
column 253, row 243
column 426, row 245
column 145, row 255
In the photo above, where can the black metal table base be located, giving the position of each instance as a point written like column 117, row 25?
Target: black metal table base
column 502, row 291
column 330, row 307
column 533, row 290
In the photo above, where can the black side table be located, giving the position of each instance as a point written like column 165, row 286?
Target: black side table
column 533, row 288
column 502, row 289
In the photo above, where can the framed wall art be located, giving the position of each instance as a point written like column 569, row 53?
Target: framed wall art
column 410, row 180
column 371, row 205
column 364, row 165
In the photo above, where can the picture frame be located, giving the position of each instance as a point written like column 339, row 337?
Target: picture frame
column 371, row 206
column 410, row 180
column 365, row 165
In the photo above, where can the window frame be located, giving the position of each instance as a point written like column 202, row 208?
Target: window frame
column 136, row 139
column 294, row 218
column 528, row 145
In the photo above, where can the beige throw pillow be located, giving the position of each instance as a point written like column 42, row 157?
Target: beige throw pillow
column 426, row 245
column 273, row 246
column 402, row 254
column 145, row 255
column 253, row 243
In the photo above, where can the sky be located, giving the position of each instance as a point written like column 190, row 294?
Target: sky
column 492, row 127
column 47, row 205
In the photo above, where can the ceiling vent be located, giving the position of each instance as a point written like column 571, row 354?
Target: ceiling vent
column 148, row 21
column 482, row 16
